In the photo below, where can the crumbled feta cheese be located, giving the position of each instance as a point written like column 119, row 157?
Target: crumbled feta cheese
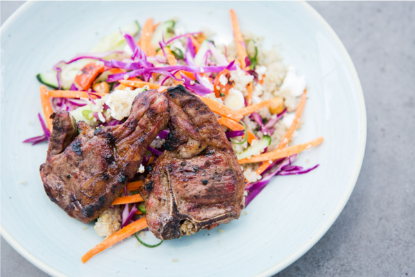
column 101, row 117
column 141, row 169
column 223, row 80
column 288, row 119
column 191, row 82
column 126, row 77
column 235, row 99
column 260, row 70
column 293, row 84
column 120, row 102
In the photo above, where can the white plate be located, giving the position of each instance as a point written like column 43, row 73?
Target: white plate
column 281, row 224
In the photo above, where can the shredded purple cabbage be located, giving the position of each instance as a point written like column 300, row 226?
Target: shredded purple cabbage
column 154, row 151
column 274, row 119
column 163, row 134
column 127, row 218
column 179, row 36
column 168, row 69
column 255, row 188
column 190, row 47
column 195, row 87
column 284, row 167
column 232, row 134
column 44, row 137
column 258, row 120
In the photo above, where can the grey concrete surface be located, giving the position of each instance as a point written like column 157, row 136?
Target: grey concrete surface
column 375, row 234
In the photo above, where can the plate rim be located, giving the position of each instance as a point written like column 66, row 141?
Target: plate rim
column 320, row 233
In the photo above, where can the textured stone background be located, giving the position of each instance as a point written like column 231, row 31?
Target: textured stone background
column 375, row 234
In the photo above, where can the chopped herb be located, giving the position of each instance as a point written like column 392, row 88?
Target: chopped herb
column 254, row 59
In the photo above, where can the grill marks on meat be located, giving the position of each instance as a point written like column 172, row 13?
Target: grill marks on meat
column 84, row 173
column 198, row 182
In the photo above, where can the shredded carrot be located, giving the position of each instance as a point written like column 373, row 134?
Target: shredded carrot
column 166, row 49
column 196, row 44
column 152, row 158
column 249, row 89
column 138, row 212
column 134, row 185
column 234, row 126
column 172, row 61
column 222, row 109
column 118, row 236
column 73, row 94
column 200, row 38
column 139, row 84
column 255, row 107
column 46, row 105
column 145, row 39
column 127, row 199
column 219, row 89
column 278, row 154
column 155, row 26
column 239, row 40
column 287, row 137
column 87, row 75
column 116, row 70
column 188, row 74
column 121, row 87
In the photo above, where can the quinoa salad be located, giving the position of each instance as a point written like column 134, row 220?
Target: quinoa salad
column 257, row 99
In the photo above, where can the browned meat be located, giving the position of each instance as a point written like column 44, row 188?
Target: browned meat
column 198, row 182
column 84, row 173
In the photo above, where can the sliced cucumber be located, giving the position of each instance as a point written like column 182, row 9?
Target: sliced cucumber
column 80, row 115
column 255, row 149
column 116, row 41
column 49, row 79
column 200, row 56
column 142, row 207
column 67, row 75
column 166, row 28
column 132, row 29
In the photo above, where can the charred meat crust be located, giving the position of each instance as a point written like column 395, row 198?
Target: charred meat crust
column 197, row 183
column 99, row 162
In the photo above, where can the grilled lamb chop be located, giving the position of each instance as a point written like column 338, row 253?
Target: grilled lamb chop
column 197, row 183
column 84, row 173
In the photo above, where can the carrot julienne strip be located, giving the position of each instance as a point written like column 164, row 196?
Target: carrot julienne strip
column 118, row 236
column 255, row 107
column 278, row 154
column 134, row 185
column 172, row 61
column 146, row 34
column 139, row 84
column 222, row 109
column 289, row 133
column 73, row 94
column 46, row 105
column 239, row 40
column 127, row 199
column 250, row 89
